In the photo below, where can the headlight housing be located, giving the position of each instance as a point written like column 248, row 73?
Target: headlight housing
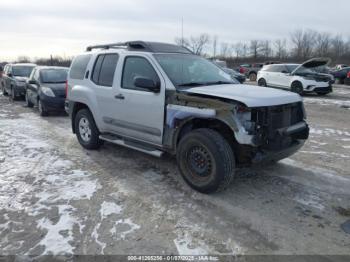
column 19, row 83
column 47, row 91
column 308, row 78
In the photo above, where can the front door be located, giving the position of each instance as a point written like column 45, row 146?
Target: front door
column 139, row 113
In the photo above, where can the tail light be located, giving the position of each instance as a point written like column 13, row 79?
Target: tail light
column 66, row 89
column 349, row 75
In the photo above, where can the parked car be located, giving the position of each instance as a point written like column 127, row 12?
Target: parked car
column 299, row 78
column 46, row 88
column 15, row 76
column 347, row 80
column 251, row 70
column 156, row 98
column 340, row 75
column 339, row 67
column 235, row 75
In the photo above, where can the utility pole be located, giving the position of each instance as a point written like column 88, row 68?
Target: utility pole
column 182, row 31
column 51, row 62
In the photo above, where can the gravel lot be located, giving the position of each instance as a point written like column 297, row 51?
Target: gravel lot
column 58, row 198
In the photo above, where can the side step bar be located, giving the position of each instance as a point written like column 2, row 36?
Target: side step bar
column 133, row 145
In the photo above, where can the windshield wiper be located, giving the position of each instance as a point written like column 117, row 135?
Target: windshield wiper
column 206, row 83
column 193, row 84
column 219, row 83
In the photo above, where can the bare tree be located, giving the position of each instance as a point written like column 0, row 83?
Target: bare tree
column 215, row 43
column 338, row 46
column 323, row 44
column 255, row 48
column 23, row 59
column 304, row 43
column 226, row 50
column 281, row 48
column 195, row 43
column 266, row 49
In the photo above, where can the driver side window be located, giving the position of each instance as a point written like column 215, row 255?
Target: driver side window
column 136, row 66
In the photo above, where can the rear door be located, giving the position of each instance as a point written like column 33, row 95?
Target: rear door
column 272, row 75
column 102, row 80
column 282, row 76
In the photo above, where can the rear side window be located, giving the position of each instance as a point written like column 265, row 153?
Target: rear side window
column 137, row 67
column 104, row 69
column 78, row 67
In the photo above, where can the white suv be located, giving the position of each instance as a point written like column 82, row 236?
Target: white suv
column 160, row 98
column 299, row 78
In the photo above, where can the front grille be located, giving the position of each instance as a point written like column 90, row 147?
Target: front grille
column 60, row 93
column 269, row 119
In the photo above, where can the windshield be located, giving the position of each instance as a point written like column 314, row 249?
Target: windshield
column 191, row 70
column 23, row 71
column 301, row 70
column 54, row 75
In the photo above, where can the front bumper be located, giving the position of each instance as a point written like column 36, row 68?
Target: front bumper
column 267, row 156
column 19, row 90
column 52, row 103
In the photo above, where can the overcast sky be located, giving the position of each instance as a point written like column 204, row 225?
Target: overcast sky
column 65, row 27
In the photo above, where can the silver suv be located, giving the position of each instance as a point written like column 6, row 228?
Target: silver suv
column 160, row 98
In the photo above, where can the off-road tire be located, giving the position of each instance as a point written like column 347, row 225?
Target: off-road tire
column 297, row 87
column 252, row 77
column 219, row 160
column 28, row 103
column 94, row 142
column 262, row 82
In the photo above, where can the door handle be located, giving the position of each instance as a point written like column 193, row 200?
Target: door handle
column 120, row 96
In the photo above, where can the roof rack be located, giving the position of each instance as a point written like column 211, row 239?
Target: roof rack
column 153, row 47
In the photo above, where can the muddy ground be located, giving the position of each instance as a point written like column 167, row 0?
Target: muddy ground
column 57, row 198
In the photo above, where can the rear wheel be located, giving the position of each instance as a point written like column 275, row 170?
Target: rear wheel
column 297, row 87
column 262, row 82
column 28, row 102
column 205, row 160
column 252, row 77
column 86, row 130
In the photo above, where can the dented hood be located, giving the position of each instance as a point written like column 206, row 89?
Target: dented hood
column 312, row 63
column 251, row 96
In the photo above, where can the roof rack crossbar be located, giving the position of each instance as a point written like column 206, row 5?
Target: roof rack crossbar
column 107, row 46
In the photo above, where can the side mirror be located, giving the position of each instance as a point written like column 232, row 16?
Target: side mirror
column 32, row 82
column 147, row 83
column 9, row 75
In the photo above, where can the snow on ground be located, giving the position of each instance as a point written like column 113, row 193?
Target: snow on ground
column 55, row 186
column 327, row 102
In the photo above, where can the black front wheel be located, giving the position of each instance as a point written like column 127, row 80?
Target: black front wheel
column 262, row 82
column 42, row 109
column 13, row 96
column 28, row 102
column 206, row 160
column 297, row 87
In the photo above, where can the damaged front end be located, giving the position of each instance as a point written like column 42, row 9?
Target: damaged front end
column 257, row 134
column 276, row 132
